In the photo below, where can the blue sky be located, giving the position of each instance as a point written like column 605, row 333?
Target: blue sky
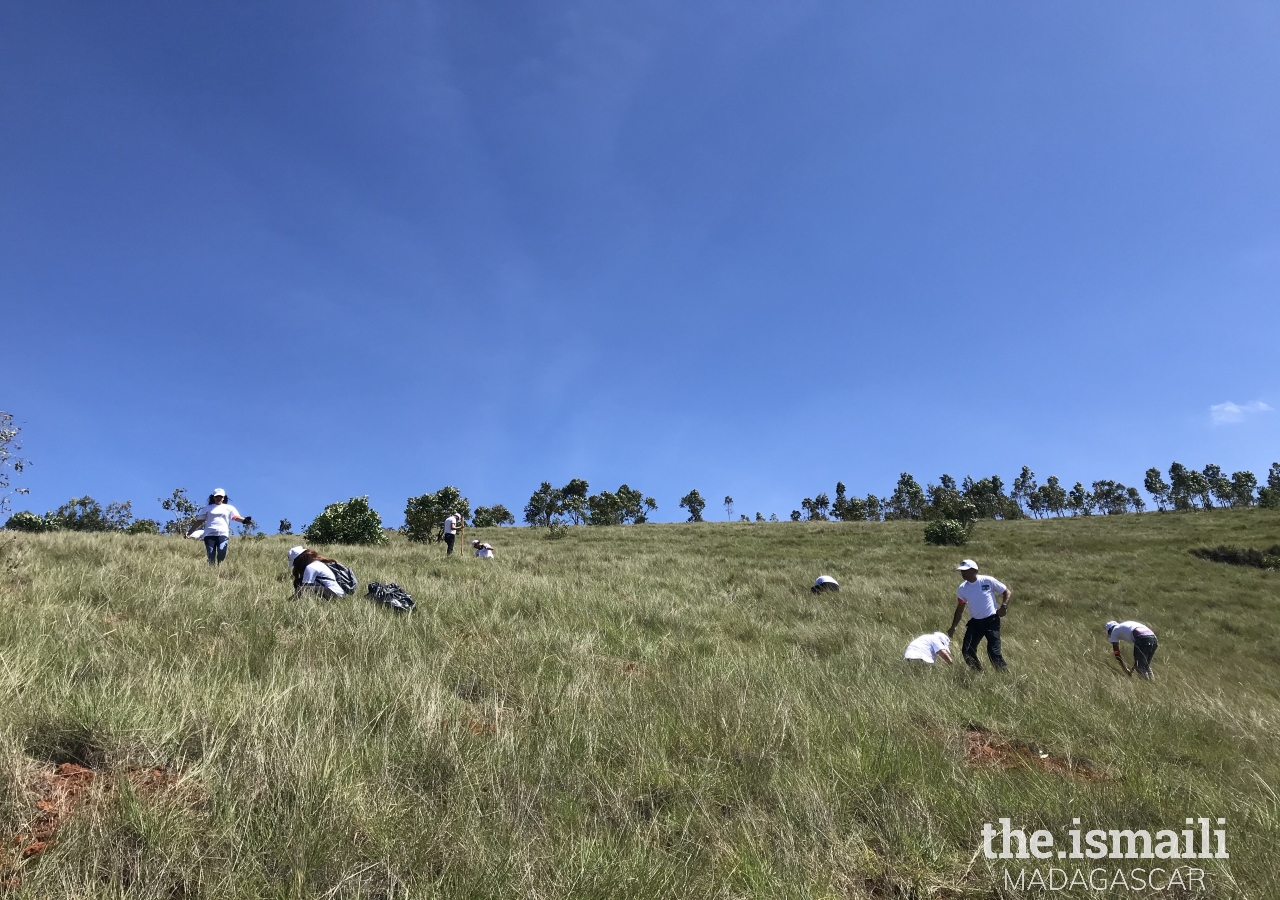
column 307, row 251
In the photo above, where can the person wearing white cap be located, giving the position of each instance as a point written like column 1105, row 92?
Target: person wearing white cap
column 929, row 648
column 979, row 592
column 1144, row 646
column 453, row 524
column 217, row 518
column 824, row 583
column 484, row 551
column 311, row 574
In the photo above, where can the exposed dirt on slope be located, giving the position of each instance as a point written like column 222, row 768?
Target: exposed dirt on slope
column 982, row 748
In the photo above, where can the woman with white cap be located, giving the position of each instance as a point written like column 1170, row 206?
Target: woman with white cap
column 217, row 518
column 312, row 574
column 1144, row 646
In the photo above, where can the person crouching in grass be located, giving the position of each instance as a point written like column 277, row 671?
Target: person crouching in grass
column 312, row 575
column 979, row 592
column 1144, row 646
column 929, row 648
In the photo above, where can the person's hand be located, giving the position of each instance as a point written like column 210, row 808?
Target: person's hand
column 1004, row 608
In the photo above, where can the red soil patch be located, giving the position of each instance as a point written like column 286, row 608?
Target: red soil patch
column 982, row 748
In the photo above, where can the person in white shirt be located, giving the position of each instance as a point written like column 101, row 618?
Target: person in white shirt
column 217, row 518
column 979, row 592
column 484, row 551
column 1144, row 646
column 312, row 575
column 824, row 583
column 452, row 525
column 929, row 648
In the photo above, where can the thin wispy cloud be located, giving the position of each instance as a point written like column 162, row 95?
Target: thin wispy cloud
column 1229, row 413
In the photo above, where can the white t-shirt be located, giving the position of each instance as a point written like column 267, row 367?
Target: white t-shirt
column 319, row 573
column 484, row 551
column 1126, row 630
column 925, row 648
column 217, row 519
column 451, row 523
column 982, row 596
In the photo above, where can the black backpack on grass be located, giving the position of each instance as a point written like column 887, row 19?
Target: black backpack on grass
column 391, row 595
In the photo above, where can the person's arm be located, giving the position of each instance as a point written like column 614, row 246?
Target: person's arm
column 1004, row 605
column 955, row 620
column 1115, row 651
column 945, row 655
column 197, row 520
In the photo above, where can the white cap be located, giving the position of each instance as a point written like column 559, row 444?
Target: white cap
column 824, row 579
column 1112, row 624
column 475, row 543
column 967, row 564
column 219, row 492
column 295, row 552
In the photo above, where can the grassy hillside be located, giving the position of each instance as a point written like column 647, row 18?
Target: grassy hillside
column 649, row 711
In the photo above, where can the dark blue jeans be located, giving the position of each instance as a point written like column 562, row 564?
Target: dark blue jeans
column 974, row 632
column 215, row 547
column 1144, row 647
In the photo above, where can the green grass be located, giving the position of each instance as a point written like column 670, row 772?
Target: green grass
column 648, row 711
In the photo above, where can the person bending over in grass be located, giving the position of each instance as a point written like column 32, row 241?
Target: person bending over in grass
column 978, row 592
column 929, row 648
column 484, row 551
column 1144, row 646
column 217, row 518
column 824, row 583
column 312, row 574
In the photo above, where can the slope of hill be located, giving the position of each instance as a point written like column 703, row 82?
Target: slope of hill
column 648, row 711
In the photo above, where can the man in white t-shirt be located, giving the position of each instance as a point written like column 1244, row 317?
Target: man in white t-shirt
column 929, row 648
column 1144, row 646
column 979, row 593
column 452, row 525
column 484, row 551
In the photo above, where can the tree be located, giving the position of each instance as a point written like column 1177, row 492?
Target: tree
column 143, row 526
column 82, row 514
column 10, row 462
column 1244, row 489
column 1136, row 501
column 1023, row 487
column 848, row 509
column 815, row 510
column 773, row 517
column 183, row 509
column 744, row 518
column 424, row 516
column 1079, row 501
column 351, row 522
column 1036, row 502
column 1198, row 487
column 286, row 527
column 694, row 503
column 1180, row 492
column 759, row 518
column 947, row 503
column 1110, row 497
column 1269, row 496
column 1156, row 487
column 1220, row 486
column 492, row 516
column 573, row 501
column 1055, row 496
column 728, row 506
column 544, row 507
column 30, row 522
column 625, row 506
column 907, row 500
column 875, row 508
column 795, row 515
column 989, row 499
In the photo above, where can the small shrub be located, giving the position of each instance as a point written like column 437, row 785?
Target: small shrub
column 352, row 522
column 946, row 532
column 1241, row 556
column 143, row 526
column 29, row 521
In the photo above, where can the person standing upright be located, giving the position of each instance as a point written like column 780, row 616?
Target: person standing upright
column 452, row 525
column 979, row 592
column 217, row 518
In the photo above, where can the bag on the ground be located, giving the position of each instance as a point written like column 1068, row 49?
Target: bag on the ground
column 345, row 577
column 391, row 595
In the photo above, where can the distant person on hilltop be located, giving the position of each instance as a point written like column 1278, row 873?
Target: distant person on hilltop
column 452, row 525
column 484, row 551
column 929, row 648
column 824, row 583
column 315, row 574
column 979, row 592
column 1144, row 646
column 217, row 518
